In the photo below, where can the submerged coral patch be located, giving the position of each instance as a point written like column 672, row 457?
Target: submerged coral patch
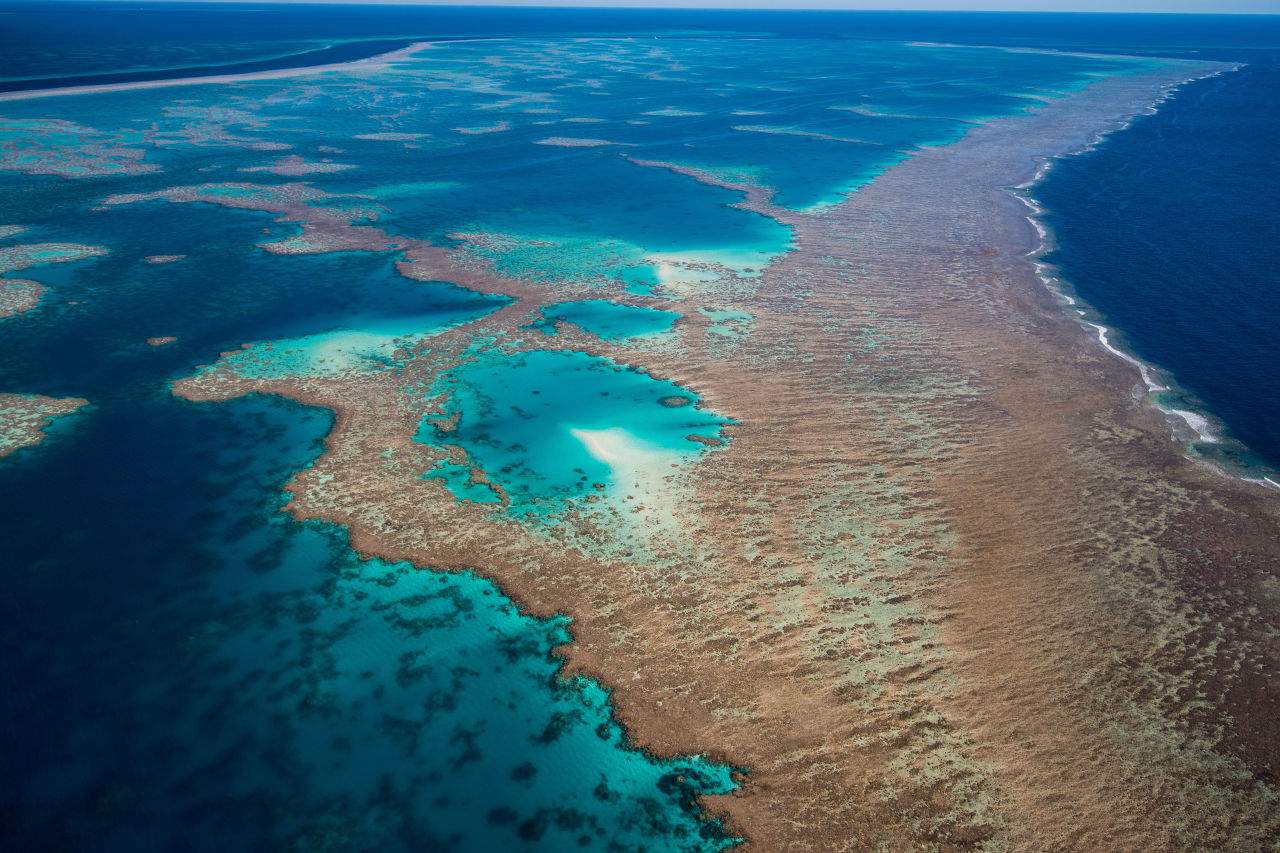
column 549, row 426
column 607, row 319
column 329, row 222
column 68, row 150
column 294, row 165
column 391, row 136
column 14, row 258
column 24, row 418
column 573, row 142
column 368, row 343
column 18, row 296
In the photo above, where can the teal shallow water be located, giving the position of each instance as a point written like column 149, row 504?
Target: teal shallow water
column 553, row 427
column 609, row 319
column 816, row 120
column 366, row 341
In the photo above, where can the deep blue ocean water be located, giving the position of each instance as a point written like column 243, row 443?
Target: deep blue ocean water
column 1170, row 230
column 186, row 666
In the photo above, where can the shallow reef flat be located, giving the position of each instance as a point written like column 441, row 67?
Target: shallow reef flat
column 19, row 295
column 830, row 488
column 24, row 418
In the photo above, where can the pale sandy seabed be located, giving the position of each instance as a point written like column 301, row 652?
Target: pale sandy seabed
column 949, row 586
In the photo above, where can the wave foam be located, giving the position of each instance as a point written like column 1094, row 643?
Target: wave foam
column 1148, row 378
column 1199, row 423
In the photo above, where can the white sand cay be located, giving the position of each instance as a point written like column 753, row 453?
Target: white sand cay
column 624, row 453
column 643, row 491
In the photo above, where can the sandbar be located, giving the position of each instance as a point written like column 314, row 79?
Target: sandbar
column 378, row 61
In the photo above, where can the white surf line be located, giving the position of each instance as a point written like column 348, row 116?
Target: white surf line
column 215, row 79
column 1152, row 384
column 1198, row 423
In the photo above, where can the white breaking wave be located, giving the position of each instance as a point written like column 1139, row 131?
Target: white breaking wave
column 1147, row 378
column 1197, row 422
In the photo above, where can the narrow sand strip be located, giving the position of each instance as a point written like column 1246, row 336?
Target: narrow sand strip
column 372, row 62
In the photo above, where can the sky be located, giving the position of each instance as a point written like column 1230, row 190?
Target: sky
column 1166, row 6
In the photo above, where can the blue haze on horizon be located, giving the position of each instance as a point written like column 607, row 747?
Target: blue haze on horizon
column 1197, row 7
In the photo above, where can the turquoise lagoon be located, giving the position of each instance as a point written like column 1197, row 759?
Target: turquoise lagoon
column 553, row 427
column 607, row 319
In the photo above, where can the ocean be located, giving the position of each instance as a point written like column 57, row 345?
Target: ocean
column 188, row 666
column 1164, row 230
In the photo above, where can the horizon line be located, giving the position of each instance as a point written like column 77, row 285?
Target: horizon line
column 673, row 5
